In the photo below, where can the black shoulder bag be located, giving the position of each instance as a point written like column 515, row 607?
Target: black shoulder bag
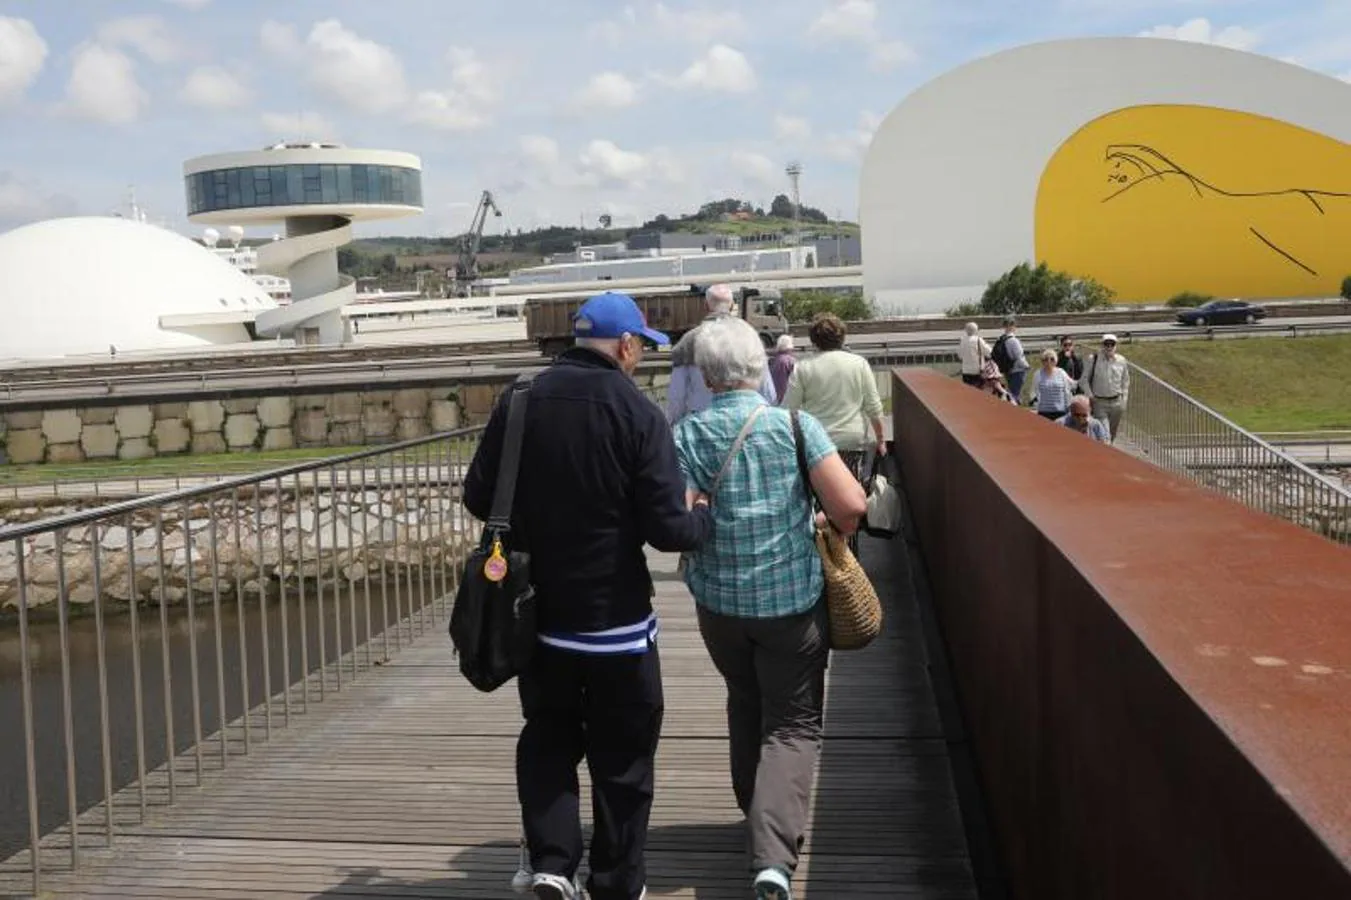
column 493, row 624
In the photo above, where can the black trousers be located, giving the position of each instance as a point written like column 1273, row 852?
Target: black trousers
column 607, row 709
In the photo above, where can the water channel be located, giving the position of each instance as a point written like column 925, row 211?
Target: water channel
column 384, row 603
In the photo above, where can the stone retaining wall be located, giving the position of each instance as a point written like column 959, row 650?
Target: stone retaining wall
column 186, row 426
column 329, row 538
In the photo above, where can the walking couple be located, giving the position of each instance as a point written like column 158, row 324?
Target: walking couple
column 601, row 475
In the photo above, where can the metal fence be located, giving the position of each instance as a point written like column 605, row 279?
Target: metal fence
column 159, row 639
column 1179, row 433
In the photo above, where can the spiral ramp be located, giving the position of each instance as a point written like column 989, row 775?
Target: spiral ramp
column 309, row 259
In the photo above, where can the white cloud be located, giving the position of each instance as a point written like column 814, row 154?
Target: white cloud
column 849, row 146
column 540, row 150
column 887, row 55
column 305, row 126
column 855, row 22
column 699, row 25
column 279, row 39
column 23, row 52
column 444, row 111
column 148, row 35
column 190, row 4
column 846, row 20
column 103, row 86
column 211, row 87
column 358, row 72
column 465, row 104
column 721, row 69
column 609, row 163
column 608, row 90
column 703, row 24
column 755, row 167
column 24, row 201
column 791, row 128
column 1201, row 31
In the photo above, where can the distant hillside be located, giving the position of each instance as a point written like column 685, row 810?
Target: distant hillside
column 522, row 248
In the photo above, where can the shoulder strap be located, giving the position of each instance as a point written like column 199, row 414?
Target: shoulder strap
column 800, row 448
column 736, row 448
column 1092, row 370
column 508, row 466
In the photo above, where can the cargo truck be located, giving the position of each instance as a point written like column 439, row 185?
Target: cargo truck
column 548, row 320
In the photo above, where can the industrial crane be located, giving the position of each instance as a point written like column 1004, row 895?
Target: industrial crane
column 466, row 269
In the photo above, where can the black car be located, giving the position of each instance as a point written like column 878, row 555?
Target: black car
column 1223, row 312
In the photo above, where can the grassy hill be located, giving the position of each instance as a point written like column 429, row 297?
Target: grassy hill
column 1263, row 384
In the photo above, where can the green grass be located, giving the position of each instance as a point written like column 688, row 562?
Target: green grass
column 1263, row 384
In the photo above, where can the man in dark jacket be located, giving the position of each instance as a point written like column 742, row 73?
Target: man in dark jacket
column 598, row 479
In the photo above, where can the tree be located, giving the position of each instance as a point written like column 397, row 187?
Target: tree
column 605, row 220
column 1024, row 289
column 804, row 305
column 781, row 207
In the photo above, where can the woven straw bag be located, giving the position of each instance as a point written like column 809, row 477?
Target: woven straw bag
column 852, row 604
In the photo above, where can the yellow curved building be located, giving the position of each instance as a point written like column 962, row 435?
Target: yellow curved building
column 1155, row 199
column 1155, row 166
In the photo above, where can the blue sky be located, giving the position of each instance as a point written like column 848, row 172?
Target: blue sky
column 566, row 110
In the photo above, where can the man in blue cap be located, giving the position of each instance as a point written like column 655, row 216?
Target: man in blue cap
column 598, row 479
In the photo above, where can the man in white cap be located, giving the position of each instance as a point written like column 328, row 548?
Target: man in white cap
column 687, row 392
column 1107, row 382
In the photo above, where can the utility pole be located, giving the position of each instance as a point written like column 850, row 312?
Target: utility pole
column 794, row 172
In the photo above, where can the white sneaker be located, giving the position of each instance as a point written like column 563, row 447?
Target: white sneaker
column 554, row 887
column 773, row 884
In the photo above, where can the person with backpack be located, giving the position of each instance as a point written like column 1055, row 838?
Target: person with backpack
column 1107, row 382
column 597, row 479
column 1008, row 355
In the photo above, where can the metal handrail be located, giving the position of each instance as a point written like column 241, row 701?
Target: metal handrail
column 84, row 517
column 361, row 551
column 1180, row 433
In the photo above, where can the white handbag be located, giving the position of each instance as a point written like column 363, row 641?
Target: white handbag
column 885, row 515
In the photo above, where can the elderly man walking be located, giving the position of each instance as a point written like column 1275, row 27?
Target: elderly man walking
column 1107, row 382
column 688, row 393
column 598, row 479
column 1080, row 418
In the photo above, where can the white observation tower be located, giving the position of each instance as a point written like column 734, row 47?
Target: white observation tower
column 317, row 190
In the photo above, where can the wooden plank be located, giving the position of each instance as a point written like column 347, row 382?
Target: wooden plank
column 403, row 785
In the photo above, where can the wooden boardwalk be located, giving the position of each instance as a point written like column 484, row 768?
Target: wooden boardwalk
column 403, row 787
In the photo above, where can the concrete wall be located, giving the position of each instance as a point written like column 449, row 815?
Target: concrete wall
column 1153, row 677
column 949, row 186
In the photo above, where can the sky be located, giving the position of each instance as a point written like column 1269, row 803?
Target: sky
column 566, row 109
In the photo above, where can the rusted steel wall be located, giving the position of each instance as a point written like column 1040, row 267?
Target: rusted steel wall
column 1156, row 680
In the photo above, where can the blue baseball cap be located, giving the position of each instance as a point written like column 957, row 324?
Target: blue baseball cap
column 612, row 315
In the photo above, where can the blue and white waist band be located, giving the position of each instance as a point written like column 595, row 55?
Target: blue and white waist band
column 635, row 638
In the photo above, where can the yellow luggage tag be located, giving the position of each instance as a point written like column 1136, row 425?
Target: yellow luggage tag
column 495, row 568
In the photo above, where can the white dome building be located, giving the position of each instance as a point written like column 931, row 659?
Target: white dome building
column 80, row 285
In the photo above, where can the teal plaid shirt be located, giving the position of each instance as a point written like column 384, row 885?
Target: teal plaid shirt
column 761, row 562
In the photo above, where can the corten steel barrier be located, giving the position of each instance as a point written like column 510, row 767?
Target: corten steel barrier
column 1154, row 677
column 1178, row 432
column 219, row 615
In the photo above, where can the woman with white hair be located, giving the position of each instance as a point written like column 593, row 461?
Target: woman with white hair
column 758, row 584
column 781, row 364
column 973, row 350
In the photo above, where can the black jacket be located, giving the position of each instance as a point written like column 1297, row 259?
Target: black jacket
column 598, row 479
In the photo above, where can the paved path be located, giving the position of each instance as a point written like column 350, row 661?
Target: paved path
column 402, row 786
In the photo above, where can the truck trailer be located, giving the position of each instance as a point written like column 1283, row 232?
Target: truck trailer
column 548, row 320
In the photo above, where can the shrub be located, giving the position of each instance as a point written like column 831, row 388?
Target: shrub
column 1024, row 289
column 1346, row 288
column 803, row 305
column 1189, row 298
column 965, row 311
